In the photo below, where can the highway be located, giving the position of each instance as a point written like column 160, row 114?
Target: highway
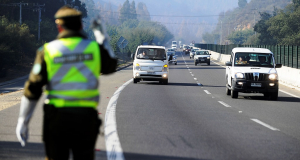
column 191, row 118
column 185, row 120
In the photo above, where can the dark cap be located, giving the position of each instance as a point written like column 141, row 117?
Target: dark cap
column 67, row 12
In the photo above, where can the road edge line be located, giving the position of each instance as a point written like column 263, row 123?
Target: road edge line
column 114, row 149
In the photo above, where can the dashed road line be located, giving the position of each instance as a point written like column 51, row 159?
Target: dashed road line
column 265, row 125
column 207, row 92
column 224, row 104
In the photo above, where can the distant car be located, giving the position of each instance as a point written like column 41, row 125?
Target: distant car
column 181, row 46
column 192, row 53
column 172, row 58
column 171, row 50
column 202, row 56
column 186, row 50
column 150, row 64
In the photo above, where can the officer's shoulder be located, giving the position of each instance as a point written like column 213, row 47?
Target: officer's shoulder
column 40, row 49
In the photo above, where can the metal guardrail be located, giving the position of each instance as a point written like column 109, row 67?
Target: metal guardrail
column 285, row 54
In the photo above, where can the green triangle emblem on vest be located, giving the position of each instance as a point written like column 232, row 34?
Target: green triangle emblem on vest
column 73, row 76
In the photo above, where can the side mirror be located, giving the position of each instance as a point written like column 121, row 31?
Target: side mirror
column 278, row 66
column 228, row 63
column 132, row 56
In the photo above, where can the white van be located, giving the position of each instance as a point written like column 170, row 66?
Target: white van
column 252, row 70
column 150, row 64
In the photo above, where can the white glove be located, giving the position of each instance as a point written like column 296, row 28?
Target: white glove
column 101, row 36
column 26, row 109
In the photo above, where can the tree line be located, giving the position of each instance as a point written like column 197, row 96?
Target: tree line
column 257, row 22
column 18, row 43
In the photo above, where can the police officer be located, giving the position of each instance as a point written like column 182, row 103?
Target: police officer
column 69, row 67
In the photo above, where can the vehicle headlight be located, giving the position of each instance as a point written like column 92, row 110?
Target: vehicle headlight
column 137, row 66
column 208, row 57
column 239, row 75
column 273, row 76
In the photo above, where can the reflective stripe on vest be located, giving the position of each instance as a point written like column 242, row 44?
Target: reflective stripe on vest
column 56, row 79
column 63, row 93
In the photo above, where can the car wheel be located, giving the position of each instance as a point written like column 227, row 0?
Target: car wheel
column 175, row 63
column 274, row 96
column 195, row 63
column 135, row 80
column 234, row 94
column 208, row 63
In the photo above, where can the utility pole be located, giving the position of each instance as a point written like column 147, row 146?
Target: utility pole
column 39, row 9
column 221, row 33
column 17, row 4
column 254, row 19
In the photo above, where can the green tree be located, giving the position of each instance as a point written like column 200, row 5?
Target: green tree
column 284, row 27
column 125, row 12
column 261, row 27
column 133, row 11
column 240, row 37
column 242, row 3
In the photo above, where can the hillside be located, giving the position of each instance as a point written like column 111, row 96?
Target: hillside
column 245, row 18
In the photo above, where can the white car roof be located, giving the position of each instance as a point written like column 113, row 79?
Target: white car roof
column 151, row 46
column 252, row 50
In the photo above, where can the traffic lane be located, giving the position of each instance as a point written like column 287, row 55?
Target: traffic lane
column 283, row 114
column 165, row 121
column 10, row 147
column 12, row 87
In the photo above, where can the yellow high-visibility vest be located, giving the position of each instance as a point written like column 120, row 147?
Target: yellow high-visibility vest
column 73, row 69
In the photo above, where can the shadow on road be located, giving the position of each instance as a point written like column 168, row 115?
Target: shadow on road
column 280, row 99
column 200, row 67
column 134, row 156
column 14, row 151
column 169, row 84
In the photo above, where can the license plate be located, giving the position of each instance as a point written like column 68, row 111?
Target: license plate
column 150, row 72
column 255, row 84
column 202, row 60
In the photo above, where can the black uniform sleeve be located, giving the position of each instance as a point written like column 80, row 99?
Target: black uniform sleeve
column 108, row 63
column 38, row 77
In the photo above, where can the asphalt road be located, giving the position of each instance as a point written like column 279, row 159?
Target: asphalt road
column 184, row 120
column 190, row 118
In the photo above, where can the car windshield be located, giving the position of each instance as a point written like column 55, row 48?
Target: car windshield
column 254, row 59
column 151, row 54
column 193, row 50
column 202, row 53
column 170, row 49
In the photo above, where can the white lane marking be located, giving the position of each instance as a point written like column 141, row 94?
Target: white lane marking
column 264, row 124
column 224, row 104
column 207, row 92
column 113, row 146
column 219, row 64
column 289, row 94
column 192, row 75
column 195, row 79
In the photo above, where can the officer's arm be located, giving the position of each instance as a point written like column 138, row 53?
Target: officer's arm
column 32, row 92
column 108, row 63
